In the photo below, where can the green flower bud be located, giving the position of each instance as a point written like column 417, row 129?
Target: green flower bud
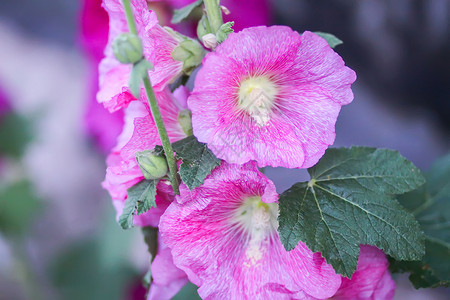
column 184, row 119
column 203, row 27
column 191, row 53
column 127, row 48
column 151, row 165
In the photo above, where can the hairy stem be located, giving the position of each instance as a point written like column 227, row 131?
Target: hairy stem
column 156, row 113
column 130, row 17
column 171, row 161
column 214, row 14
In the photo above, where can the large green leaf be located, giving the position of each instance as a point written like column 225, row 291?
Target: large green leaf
column 141, row 197
column 198, row 161
column 431, row 206
column 348, row 202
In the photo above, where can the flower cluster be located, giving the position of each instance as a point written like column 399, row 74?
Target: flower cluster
column 267, row 96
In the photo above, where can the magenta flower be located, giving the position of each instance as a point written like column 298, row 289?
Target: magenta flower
column 224, row 236
column 271, row 95
column 158, row 45
column 371, row 281
column 140, row 133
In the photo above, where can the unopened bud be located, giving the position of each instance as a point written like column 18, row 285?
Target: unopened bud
column 185, row 121
column 210, row 41
column 225, row 10
column 191, row 53
column 127, row 48
column 151, row 165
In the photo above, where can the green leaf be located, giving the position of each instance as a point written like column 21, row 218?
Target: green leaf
column 141, row 197
column 331, row 39
column 15, row 134
column 431, row 207
column 138, row 72
column 18, row 206
column 184, row 12
column 224, row 31
column 348, row 202
column 198, row 161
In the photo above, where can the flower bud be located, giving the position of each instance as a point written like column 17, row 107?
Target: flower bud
column 185, row 121
column 210, row 41
column 190, row 52
column 127, row 48
column 151, row 165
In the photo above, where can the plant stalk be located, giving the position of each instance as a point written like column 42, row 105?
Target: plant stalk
column 214, row 14
column 129, row 15
column 156, row 113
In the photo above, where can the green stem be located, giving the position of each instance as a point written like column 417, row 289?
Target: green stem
column 162, row 134
column 214, row 14
column 156, row 113
column 130, row 18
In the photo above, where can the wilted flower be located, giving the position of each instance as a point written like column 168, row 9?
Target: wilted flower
column 272, row 95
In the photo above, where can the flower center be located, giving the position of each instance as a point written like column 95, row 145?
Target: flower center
column 256, row 97
column 259, row 221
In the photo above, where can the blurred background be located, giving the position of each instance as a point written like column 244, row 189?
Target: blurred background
column 58, row 236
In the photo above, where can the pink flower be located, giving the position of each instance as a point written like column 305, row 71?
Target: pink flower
column 167, row 278
column 140, row 133
column 158, row 45
column 271, row 95
column 371, row 281
column 224, row 236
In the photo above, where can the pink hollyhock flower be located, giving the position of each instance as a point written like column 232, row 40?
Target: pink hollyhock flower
column 371, row 281
column 158, row 45
column 140, row 133
column 224, row 236
column 167, row 278
column 272, row 95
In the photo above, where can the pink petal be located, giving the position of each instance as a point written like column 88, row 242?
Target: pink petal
column 371, row 280
column 311, row 84
column 212, row 251
column 167, row 278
